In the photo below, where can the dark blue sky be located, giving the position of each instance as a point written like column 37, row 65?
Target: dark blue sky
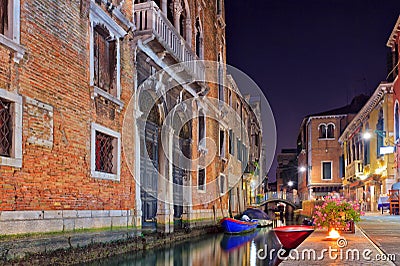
column 309, row 56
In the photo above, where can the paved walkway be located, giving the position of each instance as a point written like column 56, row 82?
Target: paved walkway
column 355, row 249
column 384, row 231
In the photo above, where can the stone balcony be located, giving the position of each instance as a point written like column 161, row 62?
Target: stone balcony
column 160, row 35
column 354, row 169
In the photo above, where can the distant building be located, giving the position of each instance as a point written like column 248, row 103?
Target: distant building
column 286, row 170
column 319, row 152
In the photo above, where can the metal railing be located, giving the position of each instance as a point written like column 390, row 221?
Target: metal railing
column 150, row 20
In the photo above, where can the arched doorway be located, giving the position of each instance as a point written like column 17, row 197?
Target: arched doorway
column 149, row 162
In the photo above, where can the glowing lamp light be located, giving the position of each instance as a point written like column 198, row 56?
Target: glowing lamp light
column 302, row 169
column 290, row 183
column 333, row 234
column 367, row 135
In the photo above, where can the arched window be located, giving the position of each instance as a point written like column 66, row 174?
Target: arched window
column 396, row 121
column 331, row 131
column 322, row 131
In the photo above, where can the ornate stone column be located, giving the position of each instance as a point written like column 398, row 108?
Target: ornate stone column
column 164, row 7
column 177, row 10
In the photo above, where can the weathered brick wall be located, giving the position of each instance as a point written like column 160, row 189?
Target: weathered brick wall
column 55, row 72
column 212, row 43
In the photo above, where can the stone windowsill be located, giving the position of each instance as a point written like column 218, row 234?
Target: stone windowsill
column 19, row 51
column 106, row 95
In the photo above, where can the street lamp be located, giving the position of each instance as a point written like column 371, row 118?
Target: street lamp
column 302, row 169
column 290, row 184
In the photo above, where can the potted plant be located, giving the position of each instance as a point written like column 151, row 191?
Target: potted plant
column 337, row 213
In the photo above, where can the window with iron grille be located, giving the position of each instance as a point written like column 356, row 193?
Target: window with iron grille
column 105, row 60
column 5, row 128
column 104, row 153
column 3, row 16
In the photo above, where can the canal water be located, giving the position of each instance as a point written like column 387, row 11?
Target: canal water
column 208, row 250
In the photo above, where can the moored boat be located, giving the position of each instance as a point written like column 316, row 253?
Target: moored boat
column 260, row 215
column 233, row 226
column 291, row 236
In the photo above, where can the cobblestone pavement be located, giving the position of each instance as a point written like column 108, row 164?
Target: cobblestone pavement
column 356, row 249
column 384, row 231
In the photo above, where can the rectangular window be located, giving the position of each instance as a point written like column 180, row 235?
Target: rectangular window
column 341, row 166
column 3, row 16
column 239, row 150
column 222, row 184
column 219, row 7
column 105, row 61
column 201, row 182
column 10, row 129
column 105, row 153
column 5, row 128
column 231, row 142
column 366, row 152
column 202, row 130
column 222, row 143
column 106, row 36
column 326, row 170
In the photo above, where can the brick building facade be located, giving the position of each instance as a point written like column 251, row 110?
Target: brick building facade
column 73, row 135
column 319, row 151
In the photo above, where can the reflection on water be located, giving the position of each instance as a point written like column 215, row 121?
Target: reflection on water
column 212, row 249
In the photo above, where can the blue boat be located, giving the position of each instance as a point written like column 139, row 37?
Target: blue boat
column 232, row 226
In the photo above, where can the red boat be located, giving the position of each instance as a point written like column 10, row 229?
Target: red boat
column 291, row 236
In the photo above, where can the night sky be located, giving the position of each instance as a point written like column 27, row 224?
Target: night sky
column 309, row 56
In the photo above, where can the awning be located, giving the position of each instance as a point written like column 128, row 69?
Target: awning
column 326, row 188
